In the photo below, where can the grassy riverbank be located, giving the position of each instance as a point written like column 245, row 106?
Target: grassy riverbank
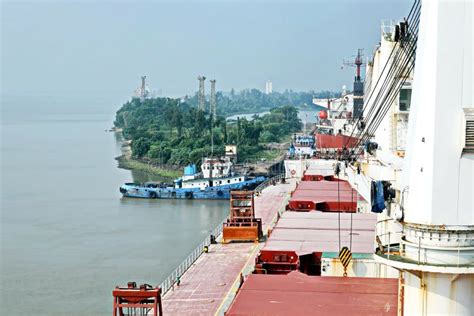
column 125, row 161
column 133, row 164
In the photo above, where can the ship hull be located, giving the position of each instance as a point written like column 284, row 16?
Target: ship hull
column 210, row 193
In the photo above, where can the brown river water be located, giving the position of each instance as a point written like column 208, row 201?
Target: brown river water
column 67, row 236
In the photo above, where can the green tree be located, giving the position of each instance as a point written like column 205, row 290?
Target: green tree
column 140, row 147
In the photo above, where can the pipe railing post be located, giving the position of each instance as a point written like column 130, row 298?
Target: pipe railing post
column 459, row 244
column 188, row 261
column 419, row 248
column 388, row 245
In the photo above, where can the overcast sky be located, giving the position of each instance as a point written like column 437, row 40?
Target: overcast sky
column 105, row 46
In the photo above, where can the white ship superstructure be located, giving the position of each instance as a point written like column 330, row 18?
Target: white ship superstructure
column 436, row 250
column 385, row 161
column 422, row 148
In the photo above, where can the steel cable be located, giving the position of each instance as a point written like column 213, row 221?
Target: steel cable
column 390, row 79
column 404, row 55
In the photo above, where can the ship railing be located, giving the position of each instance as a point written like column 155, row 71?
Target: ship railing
column 269, row 182
column 279, row 213
column 174, row 278
column 389, row 243
column 176, row 274
column 390, row 246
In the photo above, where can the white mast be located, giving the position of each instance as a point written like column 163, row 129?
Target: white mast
column 437, row 248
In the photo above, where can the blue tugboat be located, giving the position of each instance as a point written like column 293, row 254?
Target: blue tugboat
column 215, row 181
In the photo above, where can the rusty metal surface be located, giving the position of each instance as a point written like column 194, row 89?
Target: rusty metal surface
column 242, row 225
column 137, row 300
column 334, row 141
column 235, row 233
column 299, row 294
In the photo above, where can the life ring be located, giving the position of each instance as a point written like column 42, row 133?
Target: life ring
column 220, row 193
column 188, row 195
column 293, row 172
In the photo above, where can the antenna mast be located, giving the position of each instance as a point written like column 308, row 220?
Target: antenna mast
column 213, row 100
column 358, row 85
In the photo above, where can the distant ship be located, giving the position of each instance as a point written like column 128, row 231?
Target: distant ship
column 302, row 146
column 215, row 181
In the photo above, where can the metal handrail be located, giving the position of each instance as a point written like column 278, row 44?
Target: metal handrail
column 268, row 182
column 171, row 280
column 389, row 249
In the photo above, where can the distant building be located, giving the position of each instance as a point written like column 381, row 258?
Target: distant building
column 268, row 87
column 231, row 152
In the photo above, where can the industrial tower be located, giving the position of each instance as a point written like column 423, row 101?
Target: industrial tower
column 213, row 101
column 142, row 92
column 201, row 95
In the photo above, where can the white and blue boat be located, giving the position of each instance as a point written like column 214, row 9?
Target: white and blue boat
column 215, row 181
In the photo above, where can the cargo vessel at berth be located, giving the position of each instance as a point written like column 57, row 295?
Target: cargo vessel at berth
column 215, row 181
column 386, row 228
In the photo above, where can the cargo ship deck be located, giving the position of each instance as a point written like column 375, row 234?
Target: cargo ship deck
column 300, row 294
column 210, row 284
column 298, row 269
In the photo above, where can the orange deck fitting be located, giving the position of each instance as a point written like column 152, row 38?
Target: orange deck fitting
column 209, row 285
column 242, row 225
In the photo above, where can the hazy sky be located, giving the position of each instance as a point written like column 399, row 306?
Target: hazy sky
column 105, row 46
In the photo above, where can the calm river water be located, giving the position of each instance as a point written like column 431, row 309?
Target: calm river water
column 67, row 237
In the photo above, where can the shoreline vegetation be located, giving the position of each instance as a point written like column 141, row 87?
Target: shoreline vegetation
column 125, row 161
column 133, row 164
column 162, row 135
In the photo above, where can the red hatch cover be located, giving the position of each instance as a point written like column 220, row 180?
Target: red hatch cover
column 326, row 196
column 299, row 294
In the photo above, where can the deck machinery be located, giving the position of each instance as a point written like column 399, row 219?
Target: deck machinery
column 133, row 300
column 242, row 224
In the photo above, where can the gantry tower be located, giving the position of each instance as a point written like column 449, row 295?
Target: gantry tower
column 213, row 101
column 201, row 95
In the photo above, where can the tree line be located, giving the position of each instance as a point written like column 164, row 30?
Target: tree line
column 174, row 132
column 255, row 101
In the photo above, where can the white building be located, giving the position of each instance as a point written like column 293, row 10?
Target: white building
column 268, row 87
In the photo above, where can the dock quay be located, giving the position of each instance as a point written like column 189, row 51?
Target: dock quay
column 211, row 282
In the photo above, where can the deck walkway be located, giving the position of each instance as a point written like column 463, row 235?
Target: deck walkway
column 209, row 285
